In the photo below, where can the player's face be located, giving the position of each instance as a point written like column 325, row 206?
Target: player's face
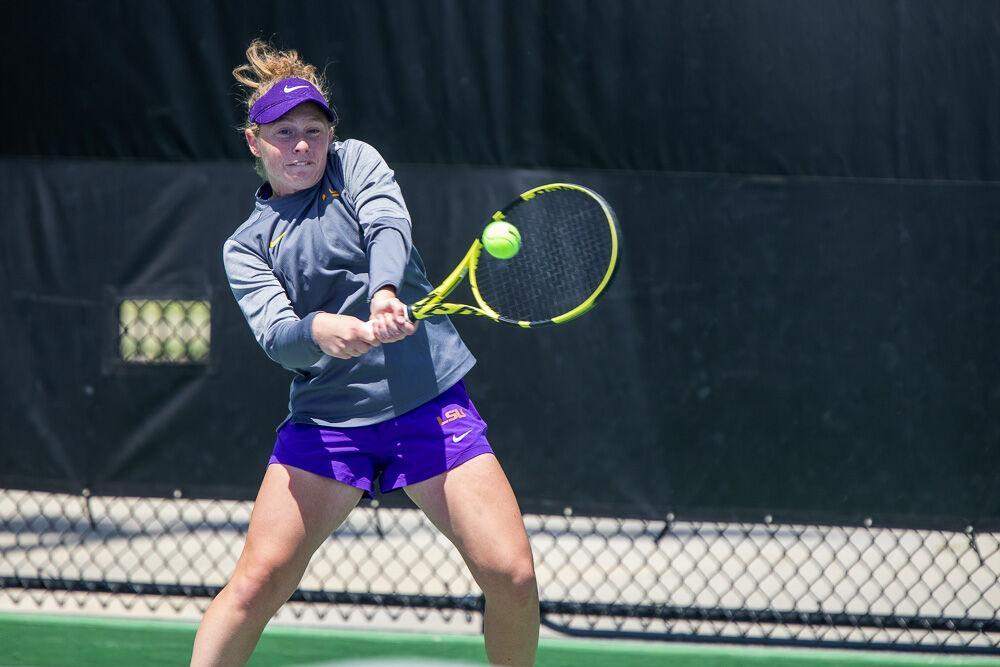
column 293, row 148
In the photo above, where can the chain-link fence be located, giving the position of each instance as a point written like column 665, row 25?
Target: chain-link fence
column 164, row 331
column 671, row 579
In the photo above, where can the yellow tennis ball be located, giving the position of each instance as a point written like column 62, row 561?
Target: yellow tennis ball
column 501, row 239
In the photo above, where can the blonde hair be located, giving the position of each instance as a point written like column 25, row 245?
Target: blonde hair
column 265, row 67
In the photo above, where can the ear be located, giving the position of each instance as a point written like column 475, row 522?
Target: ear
column 252, row 142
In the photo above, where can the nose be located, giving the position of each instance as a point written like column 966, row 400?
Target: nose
column 301, row 146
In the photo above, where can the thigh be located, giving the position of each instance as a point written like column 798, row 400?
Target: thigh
column 294, row 513
column 475, row 507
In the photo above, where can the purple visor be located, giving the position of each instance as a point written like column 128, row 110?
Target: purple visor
column 285, row 96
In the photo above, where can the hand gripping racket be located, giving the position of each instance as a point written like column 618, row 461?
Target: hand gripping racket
column 569, row 254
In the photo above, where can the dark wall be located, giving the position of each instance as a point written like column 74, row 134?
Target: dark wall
column 856, row 88
column 804, row 324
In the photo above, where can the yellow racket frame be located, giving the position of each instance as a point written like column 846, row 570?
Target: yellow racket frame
column 433, row 303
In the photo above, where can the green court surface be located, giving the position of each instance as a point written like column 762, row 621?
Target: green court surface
column 74, row 641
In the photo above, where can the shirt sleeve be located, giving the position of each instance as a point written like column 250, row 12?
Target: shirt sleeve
column 284, row 337
column 382, row 214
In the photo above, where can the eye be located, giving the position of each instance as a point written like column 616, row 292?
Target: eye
column 283, row 132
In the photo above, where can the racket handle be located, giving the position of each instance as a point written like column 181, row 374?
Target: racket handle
column 370, row 328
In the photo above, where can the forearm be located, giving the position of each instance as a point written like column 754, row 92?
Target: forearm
column 388, row 250
column 291, row 343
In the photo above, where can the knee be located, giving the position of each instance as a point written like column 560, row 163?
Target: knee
column 514, row 581
column 259, row 583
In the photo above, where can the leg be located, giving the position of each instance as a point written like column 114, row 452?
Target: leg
column 474, row 506
column 294, row 513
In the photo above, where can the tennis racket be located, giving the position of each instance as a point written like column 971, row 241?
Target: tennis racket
column 569, row 253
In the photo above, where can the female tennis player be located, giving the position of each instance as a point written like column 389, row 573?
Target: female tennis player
column 327, row 248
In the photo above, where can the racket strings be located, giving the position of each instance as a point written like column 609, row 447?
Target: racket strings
column 566, row 251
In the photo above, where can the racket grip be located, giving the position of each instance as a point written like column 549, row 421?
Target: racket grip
column 370, row 328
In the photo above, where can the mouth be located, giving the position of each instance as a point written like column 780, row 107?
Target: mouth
column 299, row 163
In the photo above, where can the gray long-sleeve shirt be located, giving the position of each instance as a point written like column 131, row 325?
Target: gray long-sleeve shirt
column 328, row 249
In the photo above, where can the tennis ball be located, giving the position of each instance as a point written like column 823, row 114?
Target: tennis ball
column 501, row 239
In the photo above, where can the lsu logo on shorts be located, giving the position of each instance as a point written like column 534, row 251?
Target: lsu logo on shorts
column 451, row 415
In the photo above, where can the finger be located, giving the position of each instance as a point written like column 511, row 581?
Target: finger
column 368, row 332
column 362, row 346
column 337, row 348
column 392, row 331
column 392, row 327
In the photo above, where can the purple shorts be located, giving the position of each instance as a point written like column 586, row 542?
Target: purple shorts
column 435, row 437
